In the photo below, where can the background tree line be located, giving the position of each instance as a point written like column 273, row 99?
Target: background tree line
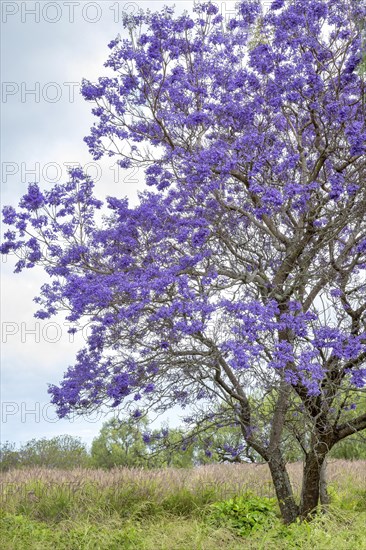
column 135, row 445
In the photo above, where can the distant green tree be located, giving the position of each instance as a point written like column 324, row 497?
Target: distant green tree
column 220, row 439
column 120, row 443
column 170, row 448
column 9, row 456
column 353, row 448
column 133, row 443
column 63, row 451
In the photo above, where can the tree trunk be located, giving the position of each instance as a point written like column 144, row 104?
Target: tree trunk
column 311, row 484
column 324, row 496
column 282, row 485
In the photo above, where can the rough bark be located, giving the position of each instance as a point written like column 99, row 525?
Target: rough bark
column 323, row 486
column 311, row 484
column 283, row 488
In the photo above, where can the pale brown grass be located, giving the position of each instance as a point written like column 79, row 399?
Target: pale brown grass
column 226, row 479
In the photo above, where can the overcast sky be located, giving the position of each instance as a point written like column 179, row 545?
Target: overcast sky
column 47, row 48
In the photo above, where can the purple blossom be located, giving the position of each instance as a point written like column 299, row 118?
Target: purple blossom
column 358, row 377
column 34, row 199
column 277, row 4
column 9, row 215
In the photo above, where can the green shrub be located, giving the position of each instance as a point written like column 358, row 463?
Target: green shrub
column 244, row 514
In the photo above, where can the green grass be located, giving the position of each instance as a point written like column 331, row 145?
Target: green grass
column 185, row 533
column 170, row 510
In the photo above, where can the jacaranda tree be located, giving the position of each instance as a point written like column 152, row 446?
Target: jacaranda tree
column 239, row 278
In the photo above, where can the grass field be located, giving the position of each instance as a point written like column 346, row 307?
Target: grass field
column 174, row 509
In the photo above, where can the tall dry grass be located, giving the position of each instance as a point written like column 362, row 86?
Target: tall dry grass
column 167, row 509
column 225, row 479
